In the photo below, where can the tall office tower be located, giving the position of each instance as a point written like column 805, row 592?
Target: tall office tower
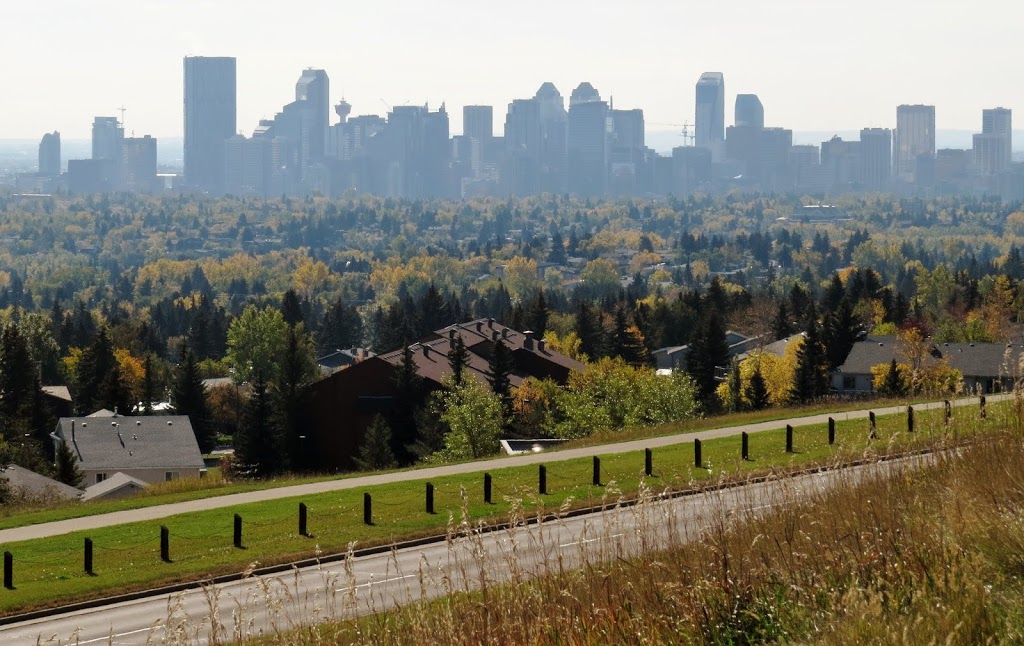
column 554, row 122
column 478, row 127
column 989, row 152
column 247, row 170
column 915, row 137
column 999, row 121
column 107, row 135
column 628, row 128
column 138, row 164
column 627, row 153
column 313, row 89
column 774, row 170
column 876, row 158
column 840, row 161
column 749, row 111
column 588, row 142
column 414, row 154
column 210, row 119
column 710, row 117
column 523, row 147
column 49, row 154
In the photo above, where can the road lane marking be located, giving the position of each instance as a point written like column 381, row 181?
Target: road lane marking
column 378, row 582
column 587, row 540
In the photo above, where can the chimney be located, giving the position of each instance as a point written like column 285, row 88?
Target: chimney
column 451, row 334
column 504, row 333
column 540, row 345
column 479, row 325
column 494, row 335
column 490, row 323
column 426, row 351
column 528, row 342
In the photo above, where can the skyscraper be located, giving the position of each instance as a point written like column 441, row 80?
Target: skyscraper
column 313, row 89
column 915, row 136
column 876, row 158
column 554, row 132
column 523, row 145
column 138, row 164
column 999, row 122
column 710, row 117
column 588, row 142
column 478, row 127
column 49, row 154
column 210, row 119
column 749, row 111
column 107, row 135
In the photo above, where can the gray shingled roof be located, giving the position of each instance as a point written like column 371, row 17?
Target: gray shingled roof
column 113, row 484
column 124, row 443
column 35, row 485
column 989, row 360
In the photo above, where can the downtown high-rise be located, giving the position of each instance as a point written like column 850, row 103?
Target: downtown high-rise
column 210, row 119
column 710, row 114
column 915, row 139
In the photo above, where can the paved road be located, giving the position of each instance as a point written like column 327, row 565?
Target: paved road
column 376, row 583
column 56, row 528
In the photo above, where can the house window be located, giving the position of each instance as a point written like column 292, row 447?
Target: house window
column 100, row 477
column 849, row 382
column 171, row 475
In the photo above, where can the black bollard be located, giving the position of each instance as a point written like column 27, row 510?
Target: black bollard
column 789, row 438
column 873, row 427
column 745, row 446
column 238, row 531
column 597, row 471
column 487, row 488
column 8, row 570
column 302, row 519
column 648, row 462
column 831, row 431
column 981, row 406
column 367, row 509
column 88, row 556
column 910, row 419
column 697, row 461
column 165, row 544
column 430, row 498
column 542, row 480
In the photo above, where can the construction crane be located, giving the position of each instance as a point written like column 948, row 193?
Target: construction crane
column 686, row 129
column 122, row 110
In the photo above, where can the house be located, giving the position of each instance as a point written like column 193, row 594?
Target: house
column 674, row 357
column 151, row 449
column 59, row 400
column 115, row 487
column 339, row 359
column 986, row 367
column 342, row 406
column 34, row 486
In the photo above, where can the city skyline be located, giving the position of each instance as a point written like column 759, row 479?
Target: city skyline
column 806, row 62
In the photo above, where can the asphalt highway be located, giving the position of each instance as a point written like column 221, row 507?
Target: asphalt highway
column 358, row 586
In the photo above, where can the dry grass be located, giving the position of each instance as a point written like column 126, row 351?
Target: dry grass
column 912, row 555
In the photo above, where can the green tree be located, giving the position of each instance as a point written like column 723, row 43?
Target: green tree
column 499, row 372
column 297, row 370
column 708, row 357
column 781, row 326
column 811, row 378
column 408, row 398
column 291, row 309
column 256, row 341
column 536, row 314
column 735, row 386
column 756, row 392
column 258, row 442
column 473, row 415
column 893, row 383
column 99, row 379
column 67, row 466
column 149, row 388
column 458, row 360
column 188, row 396
column 588, row 329
column 375, row 450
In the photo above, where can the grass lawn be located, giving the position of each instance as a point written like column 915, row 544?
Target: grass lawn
column 50, row 571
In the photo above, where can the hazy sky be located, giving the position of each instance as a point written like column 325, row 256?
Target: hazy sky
column 816, row 64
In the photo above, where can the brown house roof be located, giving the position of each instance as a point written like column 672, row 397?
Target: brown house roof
column 432, row 361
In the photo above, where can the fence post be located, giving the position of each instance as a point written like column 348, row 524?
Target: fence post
column 8, row 570
column 873, row 428
column 981, row 406
column 88, row 556
column 302, row 519
column 487, row 488
column 745, row 446
column 367, row 509
column 430, row 498
column 165, row 544
column 238, row 531
column 910, row 419
column 789, row 438
column 597, row 471
column 648, row 462
column 542, row 480
column 697, row 461
column 949, row 412
column 831, row 431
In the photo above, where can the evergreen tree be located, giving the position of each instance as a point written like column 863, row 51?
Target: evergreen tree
column 258, row 442
column 458, row 359
column 408, row 398
column 756, row 391
column 839, row 333
column 341, row 327
column 298, row 367
column 589, row 330
column 291, row 309
column 149, row 388
column 735, row 386
column 67, row 466
column 188, row 396
column 626, row 343
column 16, row 370
column 535, row 316
column 499, row 369
column 893, row 384
column 781, row 327
column 375, row 450
column 811, row 378
column 100, row 383
column 707, row 357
